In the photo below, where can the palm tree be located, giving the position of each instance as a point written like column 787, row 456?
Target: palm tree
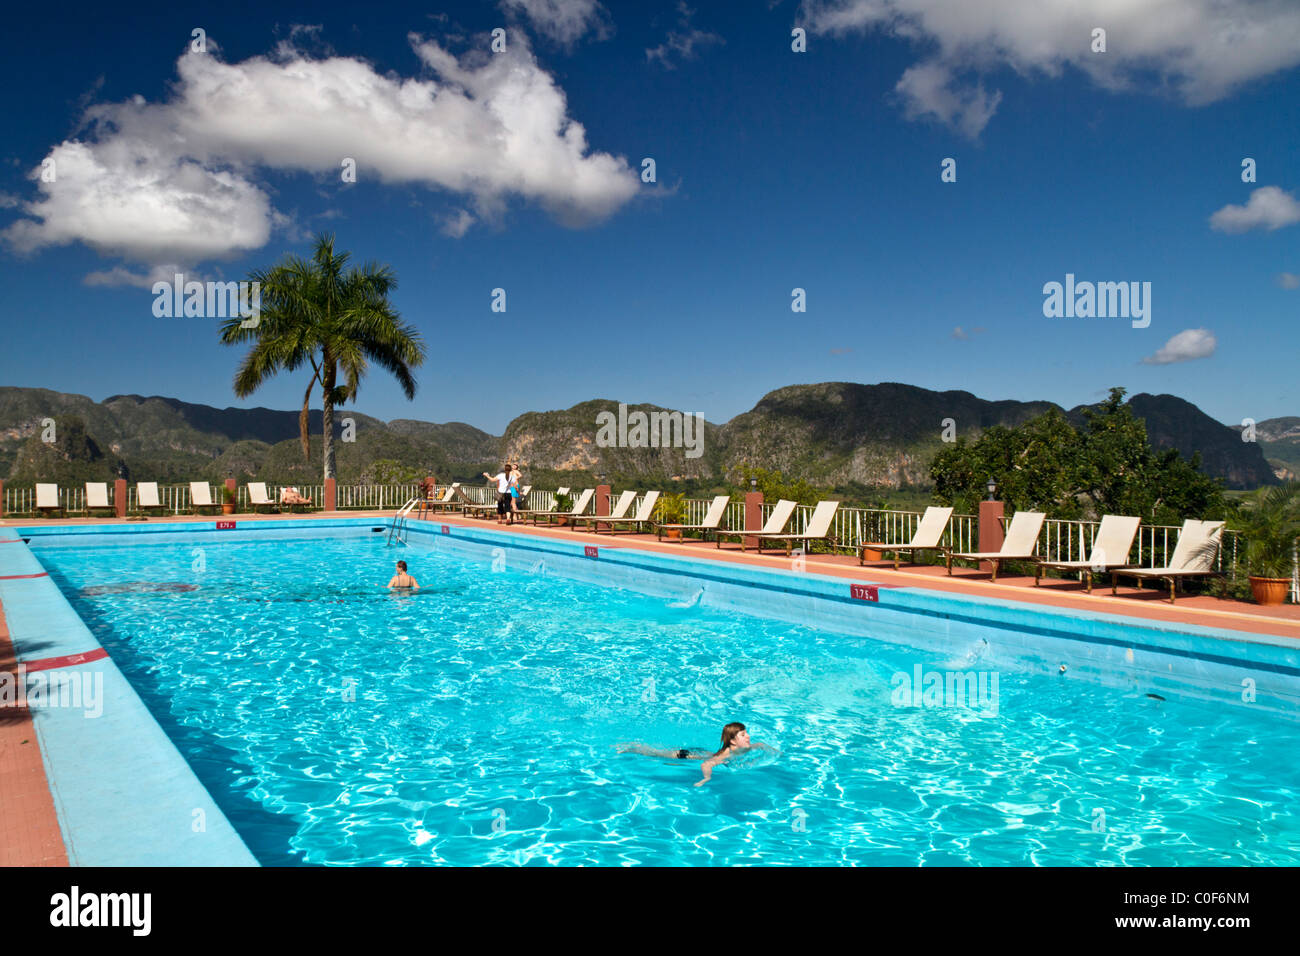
column 314, row 312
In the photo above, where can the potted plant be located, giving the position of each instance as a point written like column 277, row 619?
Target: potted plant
column 563, row 503
column 227, row 500
column 1270, row 526
column 671, row 509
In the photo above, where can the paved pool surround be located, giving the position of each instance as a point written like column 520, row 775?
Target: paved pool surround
column 126, row 796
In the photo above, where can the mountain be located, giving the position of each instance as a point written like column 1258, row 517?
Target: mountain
column 1279, row 440
column 831, row 434
column 840, row 432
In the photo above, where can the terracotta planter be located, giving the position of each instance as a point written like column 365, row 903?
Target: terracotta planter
column 227, row 507
column 674, row 534
column 561, row 521
column 871, row 554
column 1269, row 591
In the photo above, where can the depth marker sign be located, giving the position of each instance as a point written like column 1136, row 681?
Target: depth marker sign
column 864, row 592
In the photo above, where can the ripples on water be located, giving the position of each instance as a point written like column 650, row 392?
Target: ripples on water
column 488, row 707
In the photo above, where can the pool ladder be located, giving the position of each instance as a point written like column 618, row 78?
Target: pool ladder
column 397, row 530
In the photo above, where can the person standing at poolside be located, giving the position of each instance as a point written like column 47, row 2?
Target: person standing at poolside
column 515, row 477
column 403, row 581
column 502, row 478
column 735, row 741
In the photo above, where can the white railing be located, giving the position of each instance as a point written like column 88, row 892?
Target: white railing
column 854, row 527
column 1071, row 540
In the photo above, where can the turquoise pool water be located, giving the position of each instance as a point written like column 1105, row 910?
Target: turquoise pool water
column 485, row 714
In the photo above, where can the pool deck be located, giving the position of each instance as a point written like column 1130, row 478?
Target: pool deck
column 29, row 827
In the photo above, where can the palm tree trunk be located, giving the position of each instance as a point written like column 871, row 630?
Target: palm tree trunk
column 327, row 413
column 303, row 418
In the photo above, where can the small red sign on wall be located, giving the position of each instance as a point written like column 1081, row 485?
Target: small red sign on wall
column 864, row 592
column 225, row 525
column 446, row 529
column 592, row 550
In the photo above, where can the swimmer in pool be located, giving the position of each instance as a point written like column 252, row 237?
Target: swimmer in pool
column 735, row 741
column 402, row 580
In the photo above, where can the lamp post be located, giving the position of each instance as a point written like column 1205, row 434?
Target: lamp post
column 992, row 487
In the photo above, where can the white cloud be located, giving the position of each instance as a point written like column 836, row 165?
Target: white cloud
column 928, row 90
column 122, row 276
column 1185, row 346
column 457, row 225
column 174, row 181
column 682, row 43
column 1199, row 50
column 1268, row 208
column 1288, row 280
column 564, row 21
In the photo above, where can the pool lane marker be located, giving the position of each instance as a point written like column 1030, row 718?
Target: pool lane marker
column 67, row 660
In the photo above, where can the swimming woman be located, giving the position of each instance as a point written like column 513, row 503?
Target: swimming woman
column 735, row 741
column 403, row 581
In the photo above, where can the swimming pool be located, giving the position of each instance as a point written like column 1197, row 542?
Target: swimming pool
column 476, row 723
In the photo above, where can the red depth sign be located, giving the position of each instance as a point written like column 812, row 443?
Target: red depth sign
column 591, row 550
column 864, row 592
column 446, row 529
column 225, row 525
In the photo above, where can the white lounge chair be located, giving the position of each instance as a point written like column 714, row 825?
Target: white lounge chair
column 533, row 512
column 97, row 497
column 1021, row 543
column 257, row 496
column 927, row 537
column 618, row 511
column 817, row 529
column 1109, row 550
column 644, row 514
column 1198, row 546
column 146, row 496
column 201, row 496
column 576, row 511
column 450, row 499
column 775, row 524
column 291, row 498
column 712, row 518
column 47, row 499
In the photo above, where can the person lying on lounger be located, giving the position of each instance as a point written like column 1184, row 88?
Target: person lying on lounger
column 735, row 741
column 402, row 580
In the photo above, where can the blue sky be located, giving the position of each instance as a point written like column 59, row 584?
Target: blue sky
column 775, row 170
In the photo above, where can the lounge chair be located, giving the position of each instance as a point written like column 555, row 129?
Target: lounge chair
column 146, row 496
column 818, row 529
column 47, row 499
column 642, row 517
column 712, row 518
column 97, row 497
column 535, row 512
column 927, row 537
column 776, row 523
column 579, row 507
column 450, row 499
column 292, row 498
column 1109, row 550
column 201, row 496
column 1021, row 543
column 618, row 511
column 469, row 506
column 257, row 496
column 1198, row 545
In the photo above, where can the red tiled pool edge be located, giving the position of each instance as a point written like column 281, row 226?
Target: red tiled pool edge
column 29, row 826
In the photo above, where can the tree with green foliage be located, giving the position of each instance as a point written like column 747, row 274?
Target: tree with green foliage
column 1105, row 467
column 775, row 486
column 336, row 319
